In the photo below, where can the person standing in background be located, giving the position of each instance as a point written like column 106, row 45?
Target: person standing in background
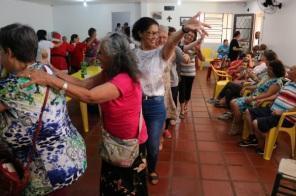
column 76, row 56
column 92, row 46
column 234, row 48
column 44, row 46
column 59, row 54
column 118, row 28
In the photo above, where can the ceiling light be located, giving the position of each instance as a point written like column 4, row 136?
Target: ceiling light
column 179, row 2
column 84, row 3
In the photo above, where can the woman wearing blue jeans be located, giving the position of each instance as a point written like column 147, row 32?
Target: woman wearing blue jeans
column 151, row 62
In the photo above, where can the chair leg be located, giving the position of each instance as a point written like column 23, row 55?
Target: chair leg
column 246, row 128
column 292, row 137
column 84, row 115
column 276, row 185
column 214, row 93
column 209, row 73
column 269, row 143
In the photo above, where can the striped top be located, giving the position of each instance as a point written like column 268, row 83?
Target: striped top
column 189, row 69
column 286, row 100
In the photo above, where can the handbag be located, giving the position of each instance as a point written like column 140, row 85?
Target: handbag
column 14, row 177
column 120, row 152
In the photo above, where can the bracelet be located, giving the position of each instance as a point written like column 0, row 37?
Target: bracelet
column 183, row 29
column 65, row 86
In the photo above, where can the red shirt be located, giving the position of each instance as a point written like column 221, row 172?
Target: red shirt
column 58, row 56
column 121, row 116
column 77, row 55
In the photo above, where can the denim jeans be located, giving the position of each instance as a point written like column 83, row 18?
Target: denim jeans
column 154, row 114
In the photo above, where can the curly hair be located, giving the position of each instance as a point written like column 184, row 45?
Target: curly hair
column 141, row 26
column 278, row 68
column 270, row 55
column 124, row 60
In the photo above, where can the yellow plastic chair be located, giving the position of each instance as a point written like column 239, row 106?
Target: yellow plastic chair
column 272, row 135
column 221, row 80
column 209, row 55
column 246, row 128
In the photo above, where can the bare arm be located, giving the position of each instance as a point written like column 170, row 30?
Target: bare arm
column 90, row 41
column 2, row 107
column 193, row 44
column 98, row 94
column 272, row 90
column 87, row 83
column 191, row 25
column 169, row 47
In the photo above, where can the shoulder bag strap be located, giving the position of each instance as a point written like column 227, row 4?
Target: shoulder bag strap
column 38, row 128
column 39, row 125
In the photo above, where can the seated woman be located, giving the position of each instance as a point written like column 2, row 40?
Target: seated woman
column 261, row 120
column 118, row 91
column 60, row 156
column 268, row 88
column 233, row 90
column 238, row 67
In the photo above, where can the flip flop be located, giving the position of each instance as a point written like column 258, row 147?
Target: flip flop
column 153, row 178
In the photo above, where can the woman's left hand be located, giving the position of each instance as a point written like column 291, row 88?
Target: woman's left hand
column 193, row 24
column 36, row 77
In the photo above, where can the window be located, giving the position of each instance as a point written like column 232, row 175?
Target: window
column 221, row 24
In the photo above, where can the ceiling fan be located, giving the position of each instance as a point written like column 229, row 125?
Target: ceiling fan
column 269, row 6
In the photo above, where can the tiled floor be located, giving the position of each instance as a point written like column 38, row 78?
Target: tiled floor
column 200, row 160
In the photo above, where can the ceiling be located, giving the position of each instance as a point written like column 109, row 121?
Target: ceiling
column 67, row 2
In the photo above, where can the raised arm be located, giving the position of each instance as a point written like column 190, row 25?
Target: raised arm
column 191, row 25
column 193, row 44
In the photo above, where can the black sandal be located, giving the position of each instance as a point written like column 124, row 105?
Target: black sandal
column 153, row 178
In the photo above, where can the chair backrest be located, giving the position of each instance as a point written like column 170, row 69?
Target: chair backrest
column 208, row 53
column 220, row 75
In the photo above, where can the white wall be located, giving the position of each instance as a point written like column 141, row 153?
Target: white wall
column 279, row 31
column 189, row 9
column 78, row 19
column 36, row 15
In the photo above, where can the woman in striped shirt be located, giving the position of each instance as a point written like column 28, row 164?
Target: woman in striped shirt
column 261, row 120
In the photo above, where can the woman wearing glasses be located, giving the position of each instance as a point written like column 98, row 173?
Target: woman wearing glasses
column 152, row 61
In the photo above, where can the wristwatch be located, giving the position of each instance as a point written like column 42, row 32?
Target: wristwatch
column 64, row 88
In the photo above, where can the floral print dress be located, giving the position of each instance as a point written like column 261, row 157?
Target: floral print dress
column 60, row 156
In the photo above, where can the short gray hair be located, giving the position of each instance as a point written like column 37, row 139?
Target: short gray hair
column 163, row 28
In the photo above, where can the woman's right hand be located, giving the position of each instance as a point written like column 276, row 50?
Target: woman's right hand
column 193, row 24
column 36, row 77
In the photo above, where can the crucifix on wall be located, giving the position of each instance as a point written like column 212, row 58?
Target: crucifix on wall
column 169, row 18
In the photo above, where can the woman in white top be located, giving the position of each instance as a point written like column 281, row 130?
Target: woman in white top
column 151, row 62
column 44, row 46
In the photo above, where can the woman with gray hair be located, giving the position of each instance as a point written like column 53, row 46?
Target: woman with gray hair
column 118, row 91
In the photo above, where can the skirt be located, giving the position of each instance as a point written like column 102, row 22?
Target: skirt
column 118, row 181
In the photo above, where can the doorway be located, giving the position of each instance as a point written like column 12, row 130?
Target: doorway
column 120, row 17
column 244, row 23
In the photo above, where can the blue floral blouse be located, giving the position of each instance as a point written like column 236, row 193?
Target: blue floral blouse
column 61, row 156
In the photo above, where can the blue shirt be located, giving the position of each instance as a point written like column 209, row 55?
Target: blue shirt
column 223, row 51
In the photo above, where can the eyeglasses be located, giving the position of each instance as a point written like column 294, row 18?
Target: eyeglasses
column 152, row 34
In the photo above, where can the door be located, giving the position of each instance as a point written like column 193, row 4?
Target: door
column 120, row 17
column 244, row 23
